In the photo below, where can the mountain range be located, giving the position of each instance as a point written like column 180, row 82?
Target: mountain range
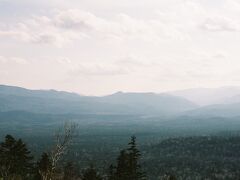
column 58, row 102
column 210, row 96
column 223, row 102
column 33, row 112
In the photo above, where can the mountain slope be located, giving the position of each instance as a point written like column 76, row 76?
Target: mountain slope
column 150, row 102
column 208, row 96
column 219, row 110
column 56, row 102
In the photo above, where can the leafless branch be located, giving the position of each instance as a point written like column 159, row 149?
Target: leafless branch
column 63, row 139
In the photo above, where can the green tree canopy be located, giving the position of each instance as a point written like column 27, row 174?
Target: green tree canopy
column 128, row 166
column 91, row 174
column 15, row 158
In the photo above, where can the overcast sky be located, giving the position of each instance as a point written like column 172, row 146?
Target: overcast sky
column 98, row 47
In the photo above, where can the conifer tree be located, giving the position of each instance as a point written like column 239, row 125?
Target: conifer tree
column 15, row 159
column 91, row 174
column 70, row 172
column 111, row 172
column 122, row 169
column 128, row 166
column 134, row 167
column 44, row 167
column 169, row 177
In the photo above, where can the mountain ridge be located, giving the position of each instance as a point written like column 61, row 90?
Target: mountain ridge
column 51, row 101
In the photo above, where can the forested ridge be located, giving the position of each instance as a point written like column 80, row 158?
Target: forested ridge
column 17, row 162
column 196, row 157
column 202, row 157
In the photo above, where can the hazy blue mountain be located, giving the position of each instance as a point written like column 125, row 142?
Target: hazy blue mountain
column 218, row 110
column 58, row 102
column 232, row 100
column 18, row 91
column 208, row 96
column 150, row 101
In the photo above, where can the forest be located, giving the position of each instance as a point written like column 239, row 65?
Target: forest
column 17, row 162
column 186, row 157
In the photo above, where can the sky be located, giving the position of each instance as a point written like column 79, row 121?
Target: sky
column 98, row 47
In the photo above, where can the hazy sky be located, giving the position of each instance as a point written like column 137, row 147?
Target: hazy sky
column 102, row 46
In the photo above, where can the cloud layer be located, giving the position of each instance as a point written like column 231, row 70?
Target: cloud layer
column 141, row 45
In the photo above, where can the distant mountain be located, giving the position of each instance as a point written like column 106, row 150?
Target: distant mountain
column 58, row 102
column 232, row 100
column 151, row 102
column 218, row 110
column 18, row 91
column 208, row 96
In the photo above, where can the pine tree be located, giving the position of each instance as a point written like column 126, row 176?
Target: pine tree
column 111, row 172
column 15, row 159
column 91, row 174
column 44, row 167
column 134, row 168
column 122, row 169
column 169, row 177
column 70, row 172
column 128, row 166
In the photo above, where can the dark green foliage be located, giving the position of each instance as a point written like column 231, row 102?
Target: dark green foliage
column 134, row 154
column 44, row 166
column 91, row 174
column 169, row 177
column 15, row 159
column 206, row 157
column 128, row 167
column 122, row 171
column 111, row 172
column 70, row 172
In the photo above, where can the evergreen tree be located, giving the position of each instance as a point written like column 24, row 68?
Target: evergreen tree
column 111, row 172
column 122, row 169
column 70, row 172
column 15, row 159
column 169, row 177
column 172, row 177
column 91, row 174
column 128, row 166
column 134, row 167
column 44, row 167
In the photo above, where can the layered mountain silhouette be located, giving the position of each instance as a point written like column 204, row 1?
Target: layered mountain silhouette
column 58, row 102
column 24, row 110
column 210, row 96
column 219, row 102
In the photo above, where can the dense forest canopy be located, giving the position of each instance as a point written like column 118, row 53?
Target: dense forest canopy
column 195, row 157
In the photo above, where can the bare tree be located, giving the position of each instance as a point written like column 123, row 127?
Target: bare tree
column 63, row 138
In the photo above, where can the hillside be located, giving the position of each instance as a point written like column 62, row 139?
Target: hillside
column 58, row 102
column 208, row 96
column 218, row 110
column 206, row 157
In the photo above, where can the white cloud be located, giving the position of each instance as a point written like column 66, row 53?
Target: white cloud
column 3, row 59
column 76, row 19
column 144, row 45
column 17, row 35
column 220, row 24
column 69, row 25
column 13, row 60
column 98, row 70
